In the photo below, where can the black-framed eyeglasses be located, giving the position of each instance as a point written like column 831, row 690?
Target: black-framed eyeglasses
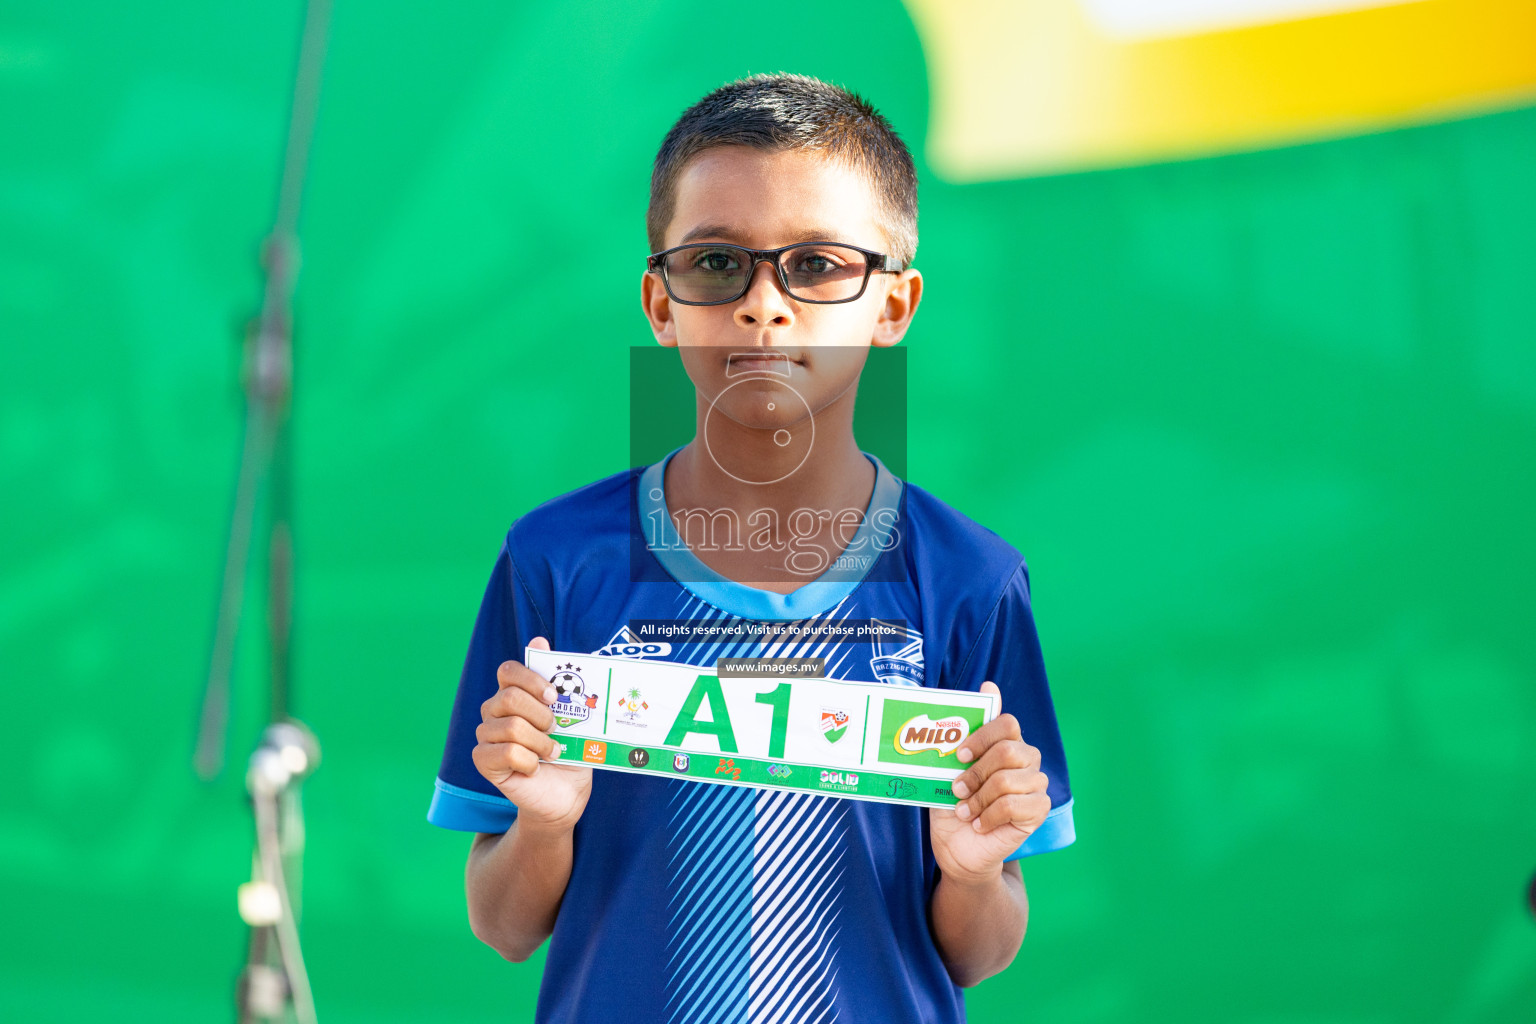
column 713, row 273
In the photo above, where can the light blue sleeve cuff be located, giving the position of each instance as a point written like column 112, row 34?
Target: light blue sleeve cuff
column 464, row 810
column 1054, row 833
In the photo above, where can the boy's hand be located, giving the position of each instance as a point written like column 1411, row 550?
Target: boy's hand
column 513, row 734
column 1003, row 800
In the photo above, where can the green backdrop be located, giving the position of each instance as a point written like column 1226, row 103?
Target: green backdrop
column 1262, row 424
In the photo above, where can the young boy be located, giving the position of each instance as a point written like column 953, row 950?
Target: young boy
column 783, row 224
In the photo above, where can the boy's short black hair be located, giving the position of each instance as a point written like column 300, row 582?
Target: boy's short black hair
column 783, row 112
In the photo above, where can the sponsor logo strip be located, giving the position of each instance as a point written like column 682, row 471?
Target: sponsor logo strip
column 745, row 771
column 686, row 721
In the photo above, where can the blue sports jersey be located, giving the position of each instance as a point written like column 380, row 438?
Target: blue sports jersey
column 691, row 902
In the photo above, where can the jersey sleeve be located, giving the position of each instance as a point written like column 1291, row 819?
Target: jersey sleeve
column 463, row 799
column 1007, row 652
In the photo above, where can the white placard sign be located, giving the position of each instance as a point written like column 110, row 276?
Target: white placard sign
column 866, row 741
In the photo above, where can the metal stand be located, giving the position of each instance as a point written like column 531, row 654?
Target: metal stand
column 274, row 978
column 287, row 753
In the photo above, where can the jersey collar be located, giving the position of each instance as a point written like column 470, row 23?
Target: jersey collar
column 823, row 593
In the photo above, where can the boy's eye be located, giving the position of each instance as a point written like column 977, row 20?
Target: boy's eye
column 814, row 261
column 716, row 261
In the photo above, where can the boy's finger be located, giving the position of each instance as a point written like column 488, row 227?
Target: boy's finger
column 1003, row 727
column 516, row 702
column 499, row 758
column 516, row 674
column 1011, row 782
column 986, row 735
column 1026, row 810
column 998, row 757
column 516, row 730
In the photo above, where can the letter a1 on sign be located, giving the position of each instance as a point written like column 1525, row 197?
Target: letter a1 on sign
column 863, row 741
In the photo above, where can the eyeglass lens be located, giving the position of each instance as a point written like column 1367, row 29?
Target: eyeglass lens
column 719, row 273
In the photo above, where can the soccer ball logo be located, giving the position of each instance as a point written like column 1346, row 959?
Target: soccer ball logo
column 570, row 688
column 573, row 702
column 834, row 723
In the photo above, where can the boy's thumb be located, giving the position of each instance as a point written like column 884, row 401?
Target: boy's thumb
column 538, row 643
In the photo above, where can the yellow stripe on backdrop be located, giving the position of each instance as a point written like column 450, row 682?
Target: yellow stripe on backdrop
column 1024, row 87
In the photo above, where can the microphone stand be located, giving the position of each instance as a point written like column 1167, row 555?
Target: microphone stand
column 288, row 751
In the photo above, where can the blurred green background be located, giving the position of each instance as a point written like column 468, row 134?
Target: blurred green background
column 1263, row 425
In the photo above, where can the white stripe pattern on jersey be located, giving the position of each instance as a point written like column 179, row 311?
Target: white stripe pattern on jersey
column 759, row 870
column 797, row 869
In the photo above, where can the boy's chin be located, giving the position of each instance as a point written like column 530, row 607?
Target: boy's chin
column 753, row 430
column 752, row 417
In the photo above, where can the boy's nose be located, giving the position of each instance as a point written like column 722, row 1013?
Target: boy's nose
column 765, row 303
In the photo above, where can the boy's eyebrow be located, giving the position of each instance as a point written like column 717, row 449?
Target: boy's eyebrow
column 726, row 232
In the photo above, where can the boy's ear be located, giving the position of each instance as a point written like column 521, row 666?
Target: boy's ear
column 658, row 310
column 900, row 304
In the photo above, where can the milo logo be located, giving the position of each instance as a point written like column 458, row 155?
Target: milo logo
column 925, row 734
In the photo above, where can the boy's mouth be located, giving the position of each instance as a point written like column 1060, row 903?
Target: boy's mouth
column 759, row 361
